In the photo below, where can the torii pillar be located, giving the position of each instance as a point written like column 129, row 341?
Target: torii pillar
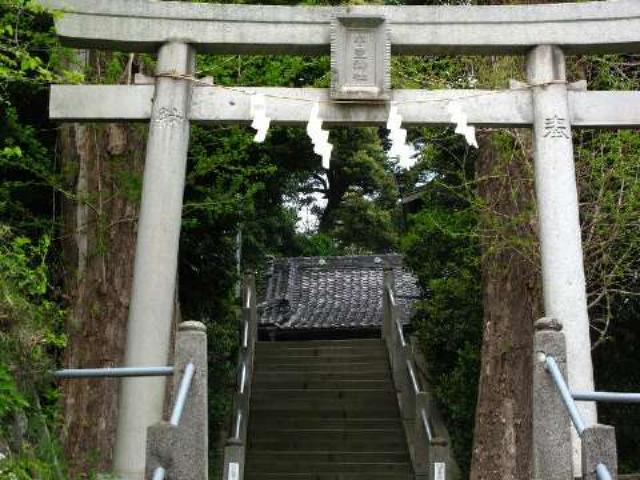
column 154, row 274
column 563, row 278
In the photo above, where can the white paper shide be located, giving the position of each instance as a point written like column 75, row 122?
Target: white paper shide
column 398, row 136
column 260, row 121
column 318, row 136
column 462, row 128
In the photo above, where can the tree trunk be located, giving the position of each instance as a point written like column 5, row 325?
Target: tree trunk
column 105, row 165
column 512, row 302
column 511, row 293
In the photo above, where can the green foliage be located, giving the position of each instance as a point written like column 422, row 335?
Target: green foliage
column 442, row 250
column 31, row 336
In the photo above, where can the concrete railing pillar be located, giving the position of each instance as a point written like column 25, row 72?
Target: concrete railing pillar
column 552, row 453
column 431, row 455
column 234, row 455
column 183, row 450
column 599, row 446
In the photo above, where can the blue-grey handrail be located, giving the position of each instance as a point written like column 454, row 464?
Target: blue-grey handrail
column 111, row 372
column 426, row 425
column 178, row 408
column 159, row 473
column 403, row 342
column 412, row 376
column 602, row 472
column 563, row 389
column 246, row 354
column 183, row 392
column 614, row 397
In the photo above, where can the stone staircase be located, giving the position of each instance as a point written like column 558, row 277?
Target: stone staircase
column 325, row 410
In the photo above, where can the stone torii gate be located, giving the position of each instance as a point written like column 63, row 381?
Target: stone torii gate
column 545, row 33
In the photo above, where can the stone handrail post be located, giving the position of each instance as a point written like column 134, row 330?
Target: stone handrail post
column 421, row 447
column 599, row 447
column 431, row 454
column 552, row 452
column 183, row 449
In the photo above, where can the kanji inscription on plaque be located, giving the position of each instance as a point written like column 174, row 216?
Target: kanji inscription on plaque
column 360, row 52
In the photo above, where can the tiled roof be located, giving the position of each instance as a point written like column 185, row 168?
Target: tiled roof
column 333, row 292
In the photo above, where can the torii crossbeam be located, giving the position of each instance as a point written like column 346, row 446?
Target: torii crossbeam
column 176, row 30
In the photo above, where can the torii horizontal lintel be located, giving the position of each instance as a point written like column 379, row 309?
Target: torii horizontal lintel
column 142, row 25
column 292, row 106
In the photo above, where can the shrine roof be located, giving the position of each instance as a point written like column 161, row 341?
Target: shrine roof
column 334, row 292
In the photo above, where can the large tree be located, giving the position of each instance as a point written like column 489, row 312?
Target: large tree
column 103, row 167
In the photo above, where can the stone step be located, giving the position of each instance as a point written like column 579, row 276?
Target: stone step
column 324, row 400
column 323, row 367
column 271, row 422
column 327, row 351
column 297, row 457
column 312, row 375
column 378, row 358
column 353, row 342
column 328, row 476
column 304, row 383
column 328, row 467
column 325, row 410
column 340, row 440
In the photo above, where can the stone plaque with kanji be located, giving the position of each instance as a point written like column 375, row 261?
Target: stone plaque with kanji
column 360, row 54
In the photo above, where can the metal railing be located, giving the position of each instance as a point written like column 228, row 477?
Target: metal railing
column 602, row 471
column 569, row 399
column 428, row 451
column 236, row 444
column 120, row 372
column 178, row 408
column 113, row 372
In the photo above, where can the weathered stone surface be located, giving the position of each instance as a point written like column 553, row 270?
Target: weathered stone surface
column 191, row 457
column 418, row 107
column 552, row 457
column 563, row 278
column 161, row 443
column 360, row 58
column 154, row 277
column 182, row 450
column 142, row 25
column 599, row 446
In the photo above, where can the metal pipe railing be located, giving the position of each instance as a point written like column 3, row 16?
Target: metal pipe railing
column 392, row 297
column 159, row 473
column 568, row 398
column 552, row 367
column 613, row 397
column 247, row 302
column 183, row 391
column 403, row 342
column 238, row 427
column 245, row 335
column 412, row 376
column 426, row 425
column 111, row 372
column 178, row 407
column 243, row 377
column 602, row 472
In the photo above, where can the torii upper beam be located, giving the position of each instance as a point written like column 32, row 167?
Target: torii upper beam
column 142, row 26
